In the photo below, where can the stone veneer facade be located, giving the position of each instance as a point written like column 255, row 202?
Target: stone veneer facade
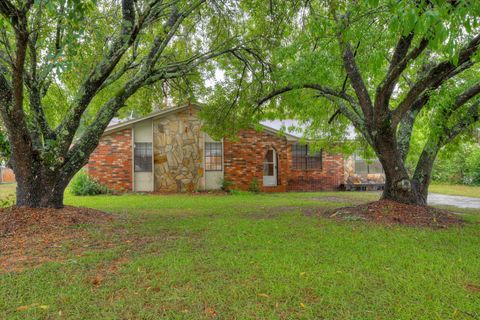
column 178, row 152
column 111, row 162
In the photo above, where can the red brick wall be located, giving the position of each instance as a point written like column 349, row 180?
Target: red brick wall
column 329, row 178
column 7, row 175
column 243, row 160
column 111, row 162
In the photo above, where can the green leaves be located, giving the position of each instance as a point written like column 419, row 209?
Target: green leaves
column 409, row 18
column 307, row 51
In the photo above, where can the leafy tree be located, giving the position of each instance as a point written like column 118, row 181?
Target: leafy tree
column 67, row 67
column 458, row 164
column 403, row 73
column 4, row 147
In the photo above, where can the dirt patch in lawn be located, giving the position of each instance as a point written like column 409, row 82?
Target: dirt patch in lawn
column 391, row 212
column 474, row 288
column 32, row 236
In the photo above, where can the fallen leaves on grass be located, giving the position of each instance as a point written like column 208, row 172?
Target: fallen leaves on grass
column 20, row 220
column 29, row 236
column 392, row 212
column 97, row 280
column 211, row 312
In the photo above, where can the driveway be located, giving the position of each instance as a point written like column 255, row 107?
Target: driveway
column 457, row 201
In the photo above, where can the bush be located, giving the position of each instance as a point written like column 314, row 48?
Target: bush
column 460, row 165
column 83, row 185
column 472, row 174
column 226, row 184
column 254, row 186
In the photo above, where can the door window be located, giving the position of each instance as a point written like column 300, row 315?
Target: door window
column 269, row 164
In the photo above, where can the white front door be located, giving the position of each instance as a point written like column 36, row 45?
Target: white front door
column 270, row 168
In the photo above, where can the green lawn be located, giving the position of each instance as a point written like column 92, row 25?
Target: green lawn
column 6, row 190
column 456, row 190
column 251, row 257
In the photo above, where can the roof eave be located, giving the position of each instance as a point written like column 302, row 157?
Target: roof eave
column 153, row 115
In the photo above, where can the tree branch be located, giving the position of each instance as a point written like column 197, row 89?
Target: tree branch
column 171, row 26
column 7, row 9
column 89, row 140
column 465, row 96
column 13, row 113
column 434, row 78
column 34, row 85
column 356, row 80
column 351, row 67
column 400, row 60
column 66, row 130
column 471, row 116
column 322, row 89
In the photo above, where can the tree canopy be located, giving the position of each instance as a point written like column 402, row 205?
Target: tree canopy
column 403, row 73
column 67, row 67
column 392, row 69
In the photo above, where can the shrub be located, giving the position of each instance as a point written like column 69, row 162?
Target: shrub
column 460, row 165
column 226, row 184
column 472, row 162
column 83, row 185
column 254, row 186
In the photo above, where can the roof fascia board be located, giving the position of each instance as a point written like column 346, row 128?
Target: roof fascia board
column 153, row 115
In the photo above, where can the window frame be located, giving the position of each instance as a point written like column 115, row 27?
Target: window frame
column 214, row 165
column 303, row 160
column 149, row 157
column 369, row 166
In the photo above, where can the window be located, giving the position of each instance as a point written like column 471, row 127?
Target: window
column 363, row 166
column 302, row 159
column 143, row 157
column 213, row 156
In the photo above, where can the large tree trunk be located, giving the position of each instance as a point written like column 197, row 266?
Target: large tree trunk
column 40, row 188
column 423, row 172
column 401, row 189
column 398, row 185
column 39, row 196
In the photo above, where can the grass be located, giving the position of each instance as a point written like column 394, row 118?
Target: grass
column 456, row 190
column 7, row 189
column 252, row 256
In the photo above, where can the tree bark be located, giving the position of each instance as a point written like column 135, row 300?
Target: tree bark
column 43, row 191
column 398, row 185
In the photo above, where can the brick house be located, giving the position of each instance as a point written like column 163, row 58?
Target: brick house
column 6, row 175
column 167, row 151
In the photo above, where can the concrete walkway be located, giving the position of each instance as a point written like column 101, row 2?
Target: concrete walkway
column 457, row 201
